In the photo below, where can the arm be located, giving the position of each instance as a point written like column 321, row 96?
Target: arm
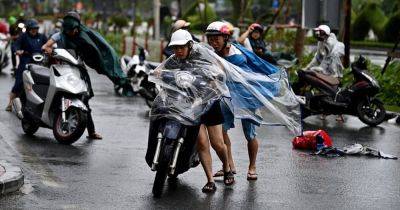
column 243, row 37
column 48, row 47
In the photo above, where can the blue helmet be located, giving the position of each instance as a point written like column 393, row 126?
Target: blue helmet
column 31, row 24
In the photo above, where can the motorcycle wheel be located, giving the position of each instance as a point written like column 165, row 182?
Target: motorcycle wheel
column 371, row 113
column 28, row 126
column 162, row 171
column 71, row 131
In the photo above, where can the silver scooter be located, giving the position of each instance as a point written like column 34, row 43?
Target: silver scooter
column 54, row 97
column 4, row 43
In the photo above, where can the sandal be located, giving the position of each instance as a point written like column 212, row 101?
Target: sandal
column 209, row 187
column 229, row 179
column 251, row 176
column 94, row 136
column 9, row 108
column 221, row 173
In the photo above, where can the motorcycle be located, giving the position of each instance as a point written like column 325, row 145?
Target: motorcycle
column 4, row 60
column 174, row 125
column 137, row 69
column 326, row 97
column 54, row 97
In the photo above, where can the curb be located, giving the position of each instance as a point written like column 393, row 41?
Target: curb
column 11, row 177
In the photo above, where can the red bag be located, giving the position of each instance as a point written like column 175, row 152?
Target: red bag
column 309, row 140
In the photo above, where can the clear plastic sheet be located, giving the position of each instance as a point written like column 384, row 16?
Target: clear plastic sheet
column 327, row 58
column 261, row 98
column 189, row 87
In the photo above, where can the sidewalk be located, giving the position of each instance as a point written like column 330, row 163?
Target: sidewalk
column 11, row 177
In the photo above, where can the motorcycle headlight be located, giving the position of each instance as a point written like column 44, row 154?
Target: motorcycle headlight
column 72, row 80
column 184, row 79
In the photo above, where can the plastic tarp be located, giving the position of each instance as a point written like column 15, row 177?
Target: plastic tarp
column 189, row 87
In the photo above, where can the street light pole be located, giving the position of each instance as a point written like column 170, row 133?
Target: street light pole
column 156, row 7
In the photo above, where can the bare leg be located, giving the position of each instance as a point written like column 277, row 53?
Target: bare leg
column 228, row 144
column 217, row 142
column 252, row 147
column 203, row 147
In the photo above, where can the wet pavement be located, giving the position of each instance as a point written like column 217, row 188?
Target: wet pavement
column 112, row 173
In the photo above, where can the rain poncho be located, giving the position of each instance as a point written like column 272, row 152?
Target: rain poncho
column 263, row 99
column 327, row 58
column 189, row 87
column 95, row 51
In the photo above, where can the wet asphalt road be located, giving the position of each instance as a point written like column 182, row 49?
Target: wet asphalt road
column 112, row 173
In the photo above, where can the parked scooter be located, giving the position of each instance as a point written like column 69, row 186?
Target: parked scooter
column 137, row 69
column 174, row 125
column 4, row 59
column 54, row 97
column 326, row 97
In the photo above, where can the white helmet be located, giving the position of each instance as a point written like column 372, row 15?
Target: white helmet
column 323, row 28
column 180, row 24
column 180, row 37
column 217, row 28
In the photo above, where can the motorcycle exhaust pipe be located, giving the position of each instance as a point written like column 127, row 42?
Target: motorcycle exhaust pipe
column 175, row 157
column 17, row 107
column 157, row 154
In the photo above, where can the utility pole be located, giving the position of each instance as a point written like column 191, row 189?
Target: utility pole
column 346, row 38
column 156, row 7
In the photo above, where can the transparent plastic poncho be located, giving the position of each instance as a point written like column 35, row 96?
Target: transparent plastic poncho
column 189, row 87
column 264, row 99
column 327, row 59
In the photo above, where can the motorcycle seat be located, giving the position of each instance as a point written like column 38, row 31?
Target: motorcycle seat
column 328, row 79
column 40, row 74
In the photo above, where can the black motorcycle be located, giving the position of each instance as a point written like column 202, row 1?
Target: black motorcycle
column 326, row 97
column 174, row 126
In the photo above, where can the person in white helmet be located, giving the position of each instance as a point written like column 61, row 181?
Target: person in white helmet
column 327, row 59
column 329, row 52
column 179, row 24
column 210, row 132
column 218, row 37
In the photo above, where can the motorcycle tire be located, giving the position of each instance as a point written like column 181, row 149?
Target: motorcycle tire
column 368, row 112
column 28, row 126
column 162, row 171
column 74, row 133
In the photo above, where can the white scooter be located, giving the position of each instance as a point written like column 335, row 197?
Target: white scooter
column 137, row 69
column 4, row 59
column 54, row 97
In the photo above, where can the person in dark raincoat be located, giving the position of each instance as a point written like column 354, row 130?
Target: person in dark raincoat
column 26, row 45
column 96, row 53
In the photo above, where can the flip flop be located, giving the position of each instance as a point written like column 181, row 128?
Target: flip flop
column 94, row 136
column 229, row 178
column 252, row 176
column 221, row 173
column 209, row 187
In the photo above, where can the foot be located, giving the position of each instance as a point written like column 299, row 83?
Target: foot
column 229, row 178
column 221, row 173
column 9, row 108
column 209, row 188
column 251, row 176
column 94, row 136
